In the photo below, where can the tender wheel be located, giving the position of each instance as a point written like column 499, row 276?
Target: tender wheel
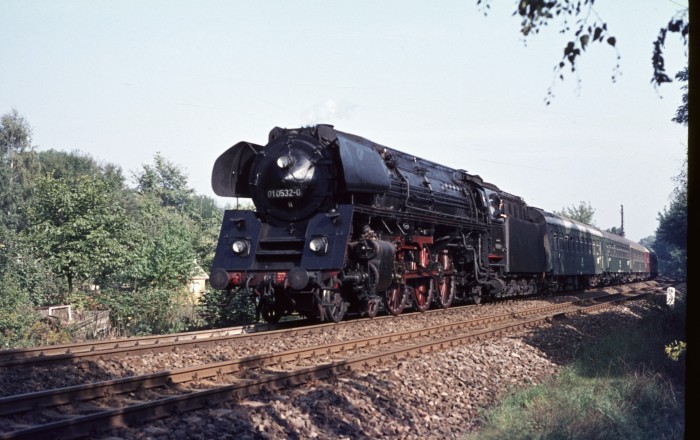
column 394, row 300
column 423, row 294
column 335, row 308
column 270, row 313
column 445, row 292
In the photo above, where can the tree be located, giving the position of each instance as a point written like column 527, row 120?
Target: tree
column 671, row 261
column 166, row 181
column 582, row 213
column 672, row 232
column 77, row 228
column 164, row 256
column 60, row 164
column 17, row 164
column 682, row 112
column 616, row 230
column 207, row 217
column 588, row 28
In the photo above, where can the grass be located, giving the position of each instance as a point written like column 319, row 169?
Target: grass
column 625, row 386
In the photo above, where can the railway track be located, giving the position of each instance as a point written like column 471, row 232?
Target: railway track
column 76, row 351
column 86, row 409
column 107, row 349
column 92, row 350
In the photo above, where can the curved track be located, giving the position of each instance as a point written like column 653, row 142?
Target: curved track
column 89, row 408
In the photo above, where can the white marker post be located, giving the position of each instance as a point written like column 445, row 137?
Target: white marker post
column 670, row 296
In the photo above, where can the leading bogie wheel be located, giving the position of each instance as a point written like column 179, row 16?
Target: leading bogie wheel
column 270, row 313
column 335, row 308
column 394, row 301
column 370, row 307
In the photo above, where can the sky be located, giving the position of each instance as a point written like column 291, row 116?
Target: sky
column 123, row 80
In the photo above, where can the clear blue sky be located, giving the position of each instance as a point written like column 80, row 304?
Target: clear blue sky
column 122, row 80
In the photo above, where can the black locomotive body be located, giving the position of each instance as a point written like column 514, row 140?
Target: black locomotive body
column 343, row 224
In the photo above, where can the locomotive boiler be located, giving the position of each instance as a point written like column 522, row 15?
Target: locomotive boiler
column 345, row 225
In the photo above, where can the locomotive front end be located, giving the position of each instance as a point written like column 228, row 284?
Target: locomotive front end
column 289, row 251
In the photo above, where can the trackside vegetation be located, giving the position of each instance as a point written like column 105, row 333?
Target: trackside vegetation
column 629, row 384
column 74, row 231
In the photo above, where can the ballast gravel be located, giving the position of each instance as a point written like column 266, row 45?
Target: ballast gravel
column 434, row 396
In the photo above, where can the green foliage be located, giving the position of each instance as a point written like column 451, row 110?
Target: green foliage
column 221, row 309
column 23, row 270
column 15, row 134
column 16, row 313
column 671, row 244
column 616, row 230
column 166, row 181
column 582, row 213
column 68, row 222
column 675, row 350
column 17, row 165
column 574, row 407
column 682, row 111
column 206, row 216
column 671, row 260
column 163, row 255
column 150, row 311
column 581, row 25
column 63, row 165
column 623, row 386
column 77, row 228
column 177, row 227
column 673, row 225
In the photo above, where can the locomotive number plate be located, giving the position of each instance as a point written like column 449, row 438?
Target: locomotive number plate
column 284, row 193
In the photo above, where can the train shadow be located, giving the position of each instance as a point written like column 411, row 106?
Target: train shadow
column 321, row 411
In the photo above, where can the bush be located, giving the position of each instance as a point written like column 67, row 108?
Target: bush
column 17, row 315
column 627, row 385
column 147, row 312
column 221, row 309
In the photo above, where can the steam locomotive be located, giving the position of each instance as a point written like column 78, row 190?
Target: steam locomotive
column 343, row 225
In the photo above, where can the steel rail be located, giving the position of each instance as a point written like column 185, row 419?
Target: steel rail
column 280, row 380
column 94, row 350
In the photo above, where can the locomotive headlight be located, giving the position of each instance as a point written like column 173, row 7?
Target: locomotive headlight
column 241, row 247
column 319, row 245
column 285, row 161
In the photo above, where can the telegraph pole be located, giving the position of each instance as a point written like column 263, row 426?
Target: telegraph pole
column 622, row 220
